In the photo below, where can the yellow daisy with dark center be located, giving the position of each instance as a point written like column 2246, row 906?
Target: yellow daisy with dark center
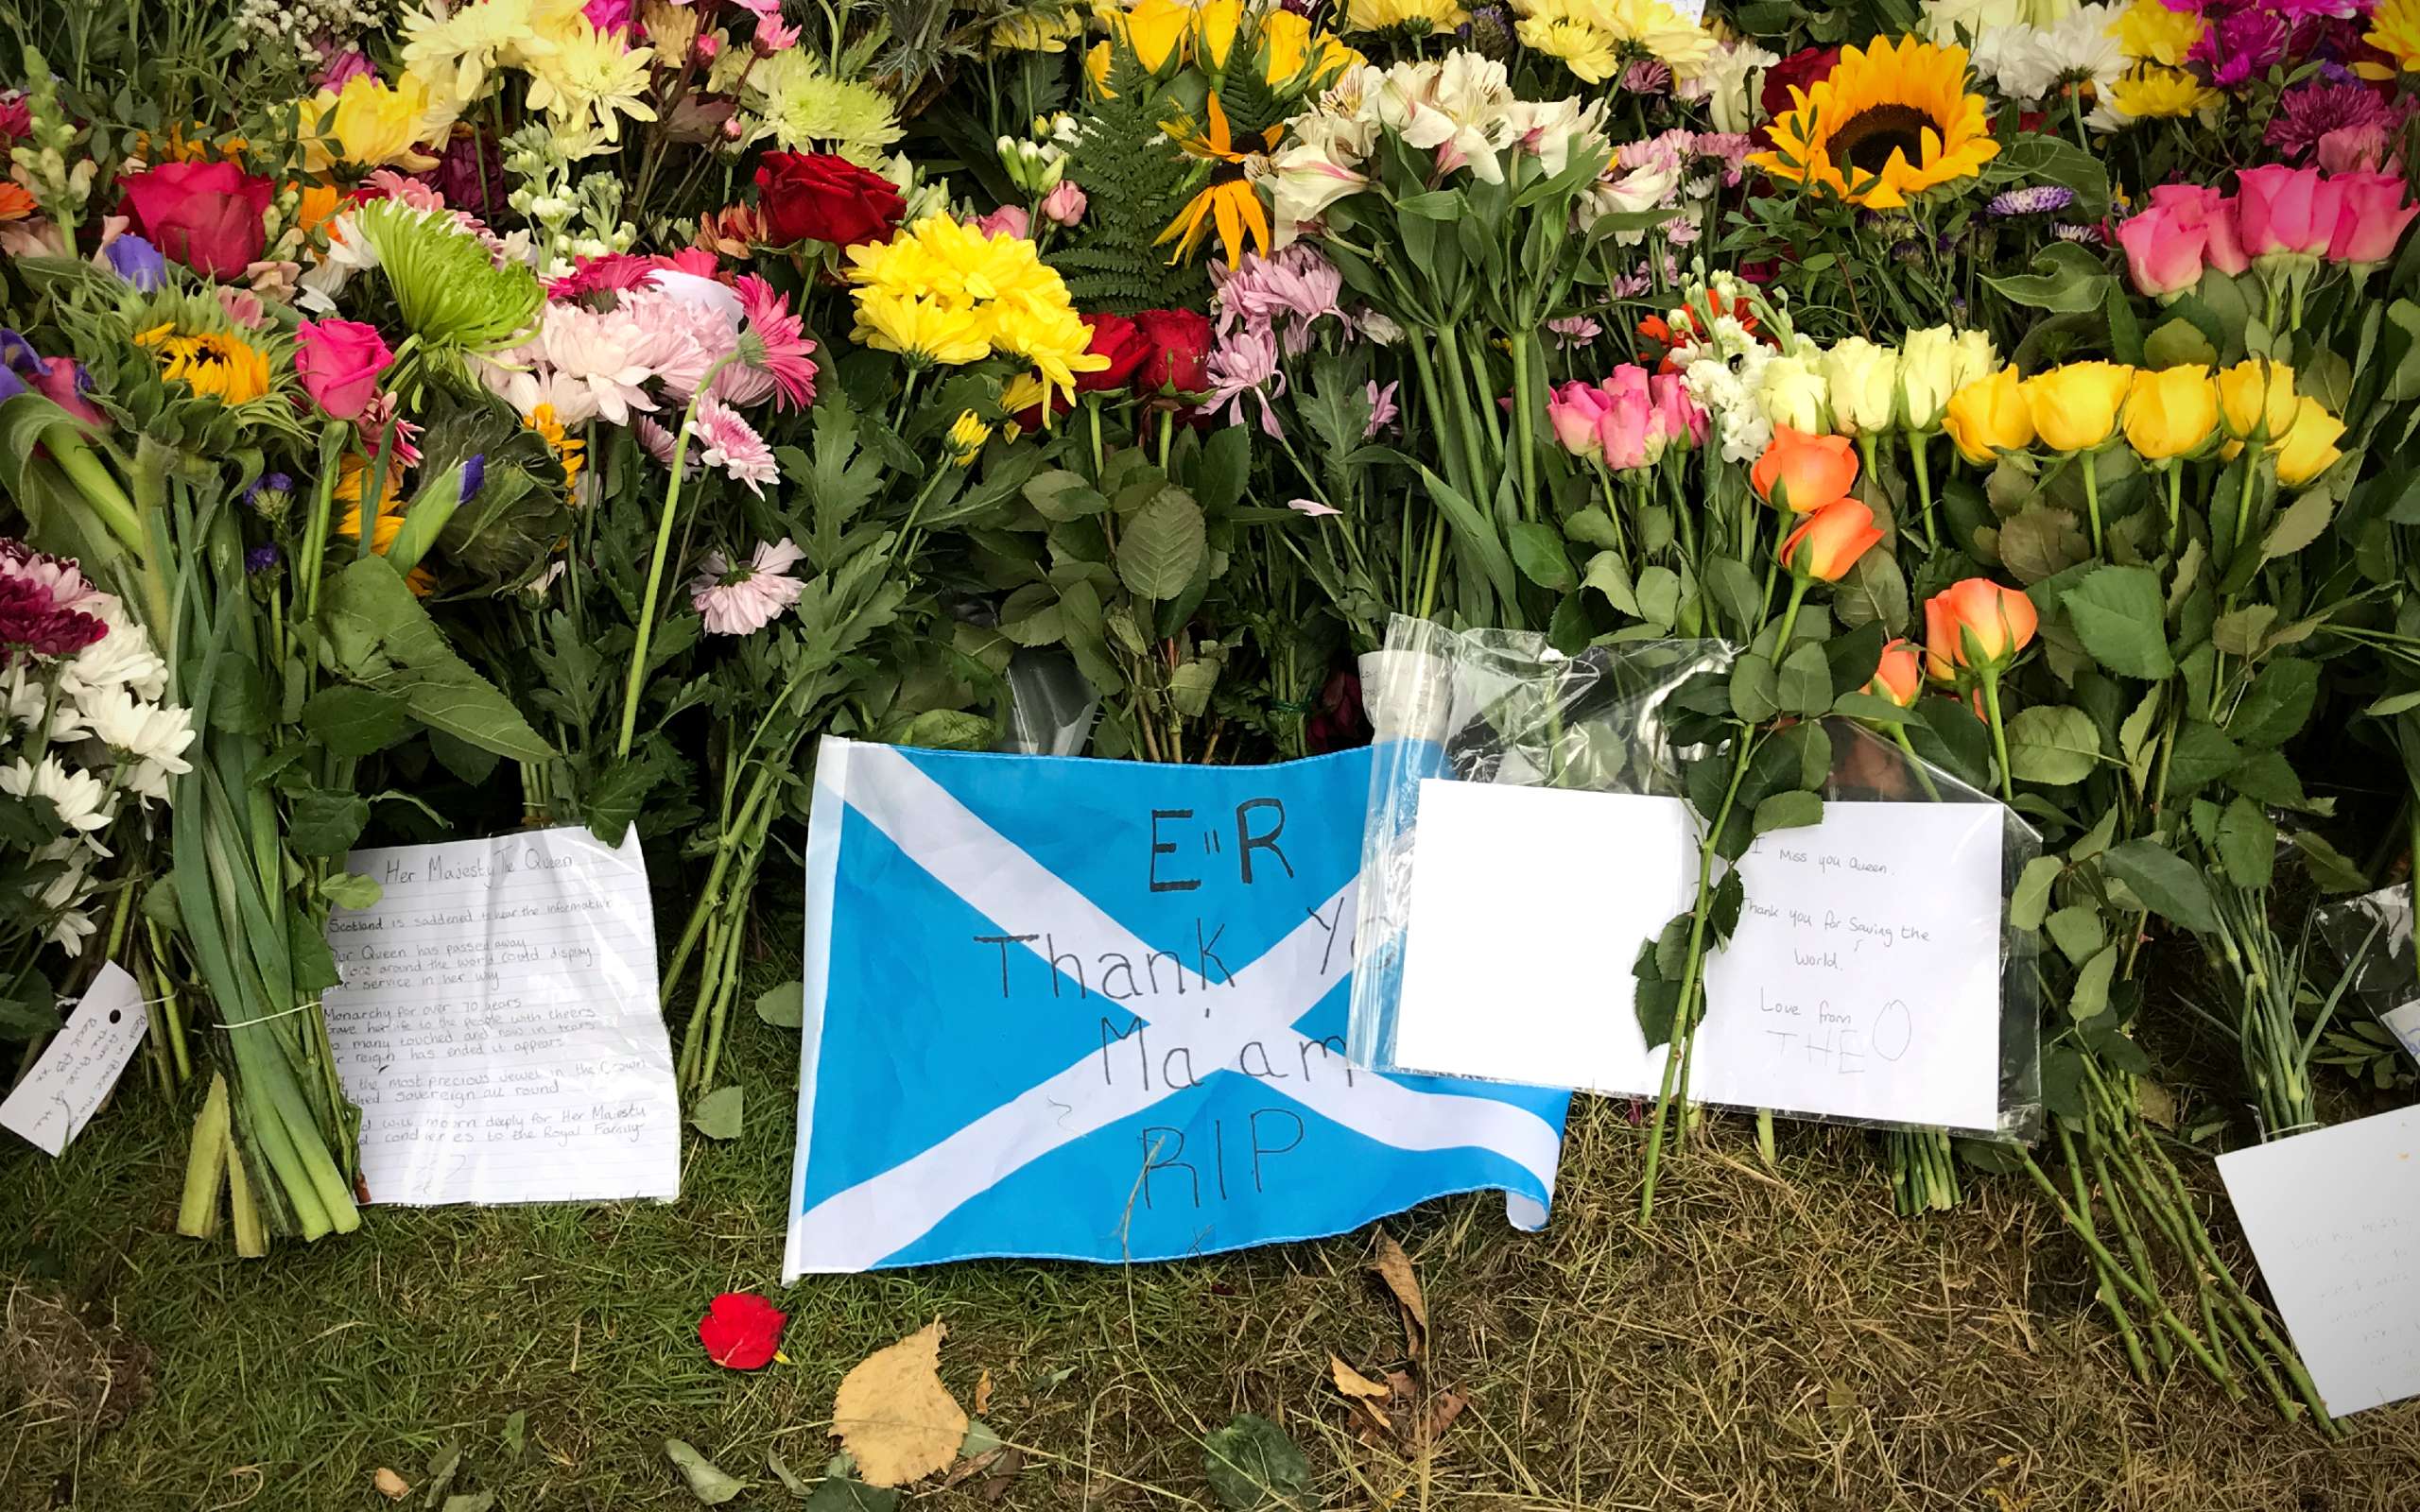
column 1888, row 121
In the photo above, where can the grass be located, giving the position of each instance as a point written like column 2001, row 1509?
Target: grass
column 1772, row 1341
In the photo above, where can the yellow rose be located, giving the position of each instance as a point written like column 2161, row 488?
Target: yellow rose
column 1864, row 379
column 2309, row 448
column 1988, row 417
column 368, row 125
column 2256, row 400
column 2171, row 412
column 1213, row 32
column 1155, row 30
column 1931, row 367
column 2075, row 407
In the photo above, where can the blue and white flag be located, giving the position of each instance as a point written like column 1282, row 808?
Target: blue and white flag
column 1080, row 1009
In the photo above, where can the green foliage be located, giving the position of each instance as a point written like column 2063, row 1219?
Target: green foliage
column 1134, row 181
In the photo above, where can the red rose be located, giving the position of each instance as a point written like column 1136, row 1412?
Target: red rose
column 206, row 215
column 1801, row 69
column 1179, row 352
column 804, row 197
column 1117, row 338
column 741, row 1330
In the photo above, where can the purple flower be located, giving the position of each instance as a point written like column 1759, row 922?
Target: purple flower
column 2306, row 115
column 260, row 559
column 19, row 364
column 2239, row 47
column 475, row 475
column 137, row 262
column 270, row 493
column 2037, row 200
column 42, row 601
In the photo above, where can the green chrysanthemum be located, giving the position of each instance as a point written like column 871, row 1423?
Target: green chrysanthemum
column 807, row 109
column 453, row 297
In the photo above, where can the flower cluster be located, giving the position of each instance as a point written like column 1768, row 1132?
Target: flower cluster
column 2281, row 222
column 1627, row 422
column 941, row 293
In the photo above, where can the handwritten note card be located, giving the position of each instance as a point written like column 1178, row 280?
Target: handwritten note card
column 2334, row 1219
column 1863, row 980
column 80, row 1064
column 499, row 1024
column 2404, row 1024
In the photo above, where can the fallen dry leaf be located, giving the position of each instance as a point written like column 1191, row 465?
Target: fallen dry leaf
column 893, row 1413
column 983, row 1393
column 1352, row 1383
column 1002, row 1478
column 1394, row 1268
column 389, row 1485
column 1447, row 1406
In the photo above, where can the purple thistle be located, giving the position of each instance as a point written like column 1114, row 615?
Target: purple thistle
column 2036, row 200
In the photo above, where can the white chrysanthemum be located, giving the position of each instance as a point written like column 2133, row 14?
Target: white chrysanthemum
column 149, row 738
column 69, row 927
column 81, row 800
column 121, row 659
column 2077, row 51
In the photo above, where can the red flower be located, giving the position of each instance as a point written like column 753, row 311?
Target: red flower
column 206, row 215
column 815, row 197
column 741, row 1330
column 1117, row 338
column 1178, row 355
column 1801, row 69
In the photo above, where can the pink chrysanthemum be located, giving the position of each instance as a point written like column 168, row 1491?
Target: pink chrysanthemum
column 1288, row 293
column 612, row 273
column 744, row 600
column 658, row 442
column 732, row 444
column 2306, row 115
column 775, row 343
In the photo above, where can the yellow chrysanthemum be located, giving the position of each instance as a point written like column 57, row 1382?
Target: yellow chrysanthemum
column 1055, row 340
column 1580, row 48
column 942, row 292
column 919, row 327
column 1419, row 15
column 2150, row 92
column 807, row 109
column 2148, row 32
column 456, row 54
column 2394, row 30
column 589, row 80
column 213, row 364
column 1658, row 30
column 967, row 435
column 370, row 125
column 1887, row 122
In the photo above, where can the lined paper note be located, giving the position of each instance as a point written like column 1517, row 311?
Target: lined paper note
column 80, row 1064
column 2334, row 1219
column 499, row 1024
column 1862, row 981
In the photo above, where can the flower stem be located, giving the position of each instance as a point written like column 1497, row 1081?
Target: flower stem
column 647, row 607
column 1923, row 469
column 2092, row 498
column 1999, row 735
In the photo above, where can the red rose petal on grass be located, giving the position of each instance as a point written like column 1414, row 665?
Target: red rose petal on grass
column 741, row 1330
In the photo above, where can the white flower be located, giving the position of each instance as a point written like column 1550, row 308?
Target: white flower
column 149, row 738
column 1729, row 82
column 121, row 659
column 81, row 800
column 600, row 351
column 1949, row 22
column 1379, row 327
column 1455, row 108
column 2030, row 63
column 1550, row 128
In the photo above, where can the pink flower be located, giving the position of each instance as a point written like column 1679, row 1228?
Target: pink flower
column 1245, row 363
column 608, row 15
column 1289, row 292
column 1065, row 205
column 732, row 444
column 1625, row 422
column 63, row 383
column 775, row 343
column 243, row 307
column 1383, row 409
column 1572, row 331
column 1312, row 507
column 1572, row 411
column 2286, row 212
column 658, row 442
column 1621, row 422
column 339, row 362
column 773, row 37
column 744, row 601
column 2355, row 150
column 344, row 68
column 2370, row 218
column 378, row 419
column 2163, row 253
column 1009, row 220
column 1678, row 420
column 2214, row 214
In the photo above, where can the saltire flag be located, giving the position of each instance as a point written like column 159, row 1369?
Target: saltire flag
column 1066, row 1009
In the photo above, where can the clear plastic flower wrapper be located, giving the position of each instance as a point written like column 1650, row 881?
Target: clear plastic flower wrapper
column 2373, row 1032
column 1871, row 974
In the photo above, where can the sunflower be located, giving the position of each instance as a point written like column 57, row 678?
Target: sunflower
column 1233, row 204
column 352, row 469
column 566, row 447
column 215, row 364
column 1887, row 122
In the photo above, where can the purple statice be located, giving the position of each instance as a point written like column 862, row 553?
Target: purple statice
column 260, row 559
column 2306, row 115
column 2033, row 199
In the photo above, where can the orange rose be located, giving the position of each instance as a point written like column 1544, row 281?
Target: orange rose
column 1901, row 676
column 1802, row 473
column 1976, row 622
column 1830, row 540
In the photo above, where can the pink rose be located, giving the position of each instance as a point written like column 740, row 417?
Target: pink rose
column 2212, row 212
column 1678, row 420
column 1572, row 410
column 339, row 362
column 1627, row 417
column 2163, row 253
column 1010, row 220
column 206, row 215
column 1065, row 205
column 63, row 383
column 2286, row 212
column 2371, row 219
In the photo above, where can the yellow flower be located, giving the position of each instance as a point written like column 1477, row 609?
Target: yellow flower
column 1155, row 30
column 924, row 331
column 2309, row 448
column 967, row 435
column 1935, row 363
column 2256, row 400
column 2152, row 93
column 1888, row 121
column 2075, row 407
column 213, row 364
column 1054, row 339
column 2394, row 30
column 1657, row 29
column 2170, row 412
column 807, row 109
column 350, row 474
column 1588, row 53
column 455, row 53
column 368, row 125
column 1988, row 417
column 1863, row 380
column 1213, row 32
column 1292, row 51
column 590, row 78
column 2148, row 31
column 1096, row 62
column 1417, row 15
column 567, row 448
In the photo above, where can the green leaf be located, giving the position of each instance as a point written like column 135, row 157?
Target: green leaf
column 2027, row 905
column 2091, row 996
column 1474, row 530
column 2247, row 844
column 2166, row 883
column 1752, row 694
column 320, row 823
column 350, row 890
column 2239, row 632
column 387, row 640
column 2077, row 931
column 842, row 1491
column 1872, row 710
column 2052, row 744
column 707, row 1483
column 2331, row 868
column 1788, row 811
column 1252, row 1463
column 239, row 699
column 1874, row 592
column 797, row 1485
column 783, row 1007
column 2118, row 613
column 354, row 722
column 2275, row 706
column 1163, row 546
column 1805, row 685
column 1537, row 550
column 2297, row 525
column 313, row 966
column 1592, row 527
column 717, row 1114
column 2201, row 753
column 1734, row 589
column 1610, row 575
column 1659, row 595
column 2066, row 280
column 1221, row 469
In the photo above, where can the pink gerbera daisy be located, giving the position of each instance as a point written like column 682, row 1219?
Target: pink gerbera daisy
column 732, row 444
column 775, row 343
column 743, row 600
